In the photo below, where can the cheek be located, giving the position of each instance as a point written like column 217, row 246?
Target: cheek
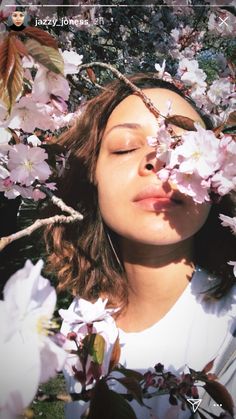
column 110, row 200
column 195, row 218
column 114, row 190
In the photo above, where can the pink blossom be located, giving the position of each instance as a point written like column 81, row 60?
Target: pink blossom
column 28, row 115
column 51, row 185
column 164, row 142
column 228, row 222
column 192, row 185
column 225, row 179
column 27, row 164
column 59, row 103
column 190, row 73
column 60, row 121
column 198, row 154
column 164, row 174
column 46, row 83
column 28, row 62
column 25, row 192
column 37, row 195
column 219, row 90
column 4, row 173
column 11, row 191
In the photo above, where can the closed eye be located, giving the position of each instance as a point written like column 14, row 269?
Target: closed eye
column 124, row 151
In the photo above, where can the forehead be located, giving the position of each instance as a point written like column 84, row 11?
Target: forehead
column 133, row 110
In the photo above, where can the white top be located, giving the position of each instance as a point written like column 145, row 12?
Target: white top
column 192, row 333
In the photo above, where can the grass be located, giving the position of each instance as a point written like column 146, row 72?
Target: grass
column 46, row 405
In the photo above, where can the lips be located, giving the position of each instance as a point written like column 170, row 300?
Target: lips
column 155, row 198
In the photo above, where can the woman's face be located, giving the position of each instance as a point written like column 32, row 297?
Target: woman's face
column 18, row 18
column 133, row 201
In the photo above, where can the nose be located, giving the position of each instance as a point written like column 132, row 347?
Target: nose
column 149, row 164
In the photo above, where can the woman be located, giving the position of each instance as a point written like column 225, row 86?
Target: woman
column 18, row 20
column 150, row 249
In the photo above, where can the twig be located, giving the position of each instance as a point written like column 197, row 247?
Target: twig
column 74, row 216
column 4, row 241
column 92, row 82
column 131, row 85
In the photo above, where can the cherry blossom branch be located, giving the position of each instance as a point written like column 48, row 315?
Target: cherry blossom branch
column 74, row 216
column 91, row 82
column 131, row 85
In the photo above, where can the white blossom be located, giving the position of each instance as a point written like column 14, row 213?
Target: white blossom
column 234, row 266
column 72, row 60
column 28, row 355
column 219, row 90
column 228, row 222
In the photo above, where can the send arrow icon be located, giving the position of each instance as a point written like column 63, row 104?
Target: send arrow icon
column 195, row 403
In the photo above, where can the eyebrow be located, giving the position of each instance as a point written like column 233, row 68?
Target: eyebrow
column 125, row 125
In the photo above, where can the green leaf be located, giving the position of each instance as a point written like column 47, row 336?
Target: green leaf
column 98, row 349
column 129, row 373
column 47, row 56
column 133, row 387
column 94, row 345
column 106, row 404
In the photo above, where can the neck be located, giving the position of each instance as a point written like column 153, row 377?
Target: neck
column 157, row 276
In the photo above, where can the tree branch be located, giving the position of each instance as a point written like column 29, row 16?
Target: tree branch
column 131, row 85
column 74, row 216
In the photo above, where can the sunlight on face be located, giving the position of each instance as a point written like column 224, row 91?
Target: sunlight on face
column 133, row 201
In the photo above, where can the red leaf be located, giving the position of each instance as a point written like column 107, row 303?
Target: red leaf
column 181, row 121
column 217, row 130
column 220, row 394
column 231, row 119
column 208, row 366
column 41, row 36
column 15, row 80
column 115, row 356
column 20, row 47
column 7, row 59
column 11, row 71
column 91, row 74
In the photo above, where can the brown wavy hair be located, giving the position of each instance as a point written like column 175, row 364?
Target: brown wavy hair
column 80, row 254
